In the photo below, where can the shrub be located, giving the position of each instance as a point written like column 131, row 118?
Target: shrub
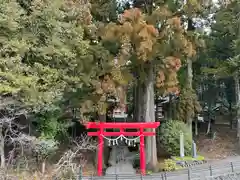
column 45, row 148
column 169, row 137
column 168, row 165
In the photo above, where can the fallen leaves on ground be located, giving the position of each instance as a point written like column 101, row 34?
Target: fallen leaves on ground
column 223, row 146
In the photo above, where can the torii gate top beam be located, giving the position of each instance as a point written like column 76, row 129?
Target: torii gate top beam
column 122, row 125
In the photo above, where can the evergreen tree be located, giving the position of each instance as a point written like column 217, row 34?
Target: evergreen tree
column 45, row 55
column 222, row 58
column 153, row 38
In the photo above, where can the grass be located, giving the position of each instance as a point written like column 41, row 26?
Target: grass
column 188, row 158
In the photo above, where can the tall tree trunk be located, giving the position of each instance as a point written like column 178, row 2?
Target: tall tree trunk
column 170, row 106
column 149, row 116
column 144, row 111
column 135, row 103
column 43, row 166
column 2, row 148
column 237, row 93
column 189, row 85
column 139, row 102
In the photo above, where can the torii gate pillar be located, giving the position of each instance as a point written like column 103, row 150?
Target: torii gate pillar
column 121, row 126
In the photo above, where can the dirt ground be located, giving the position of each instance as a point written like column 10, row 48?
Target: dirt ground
column 222, row 146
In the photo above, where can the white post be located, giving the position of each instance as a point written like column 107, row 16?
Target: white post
column 194, row 150
column 181, row 145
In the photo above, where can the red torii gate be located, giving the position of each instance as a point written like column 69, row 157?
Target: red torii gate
column 121, row 126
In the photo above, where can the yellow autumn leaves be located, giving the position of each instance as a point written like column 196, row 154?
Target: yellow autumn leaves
column 166, row 78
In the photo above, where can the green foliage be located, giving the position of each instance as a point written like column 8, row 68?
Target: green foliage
column 223, row 42
column 188, row 158
column 46, row 58
column 25, row 4
column 50, row 123
column 43, row 53
column 169, row 165
column 169, row 136
column 220, row 61
column 188, row 105
column 104, row 10
column 44, row 148
column 224, row 31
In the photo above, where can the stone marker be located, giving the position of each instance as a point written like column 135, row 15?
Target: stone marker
column 181, row 145
column 194, row 150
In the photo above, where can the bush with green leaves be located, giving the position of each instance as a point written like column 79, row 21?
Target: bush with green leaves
column 169, row 137
column 169, row 165
column 43, row 148
column 51, row 124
